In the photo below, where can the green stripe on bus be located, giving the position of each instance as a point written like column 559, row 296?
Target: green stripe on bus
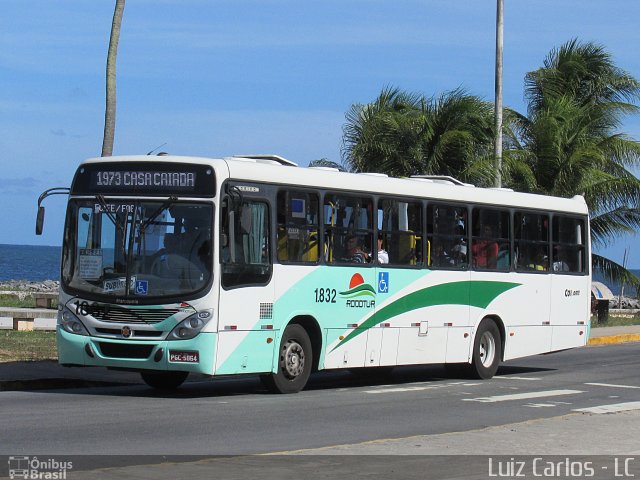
column 364, row 288
column 473, row 293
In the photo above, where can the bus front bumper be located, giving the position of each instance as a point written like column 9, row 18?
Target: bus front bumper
column 195, row 355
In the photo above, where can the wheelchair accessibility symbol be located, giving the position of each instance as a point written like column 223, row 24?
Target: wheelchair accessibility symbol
column 142, row 287
column 383, row 282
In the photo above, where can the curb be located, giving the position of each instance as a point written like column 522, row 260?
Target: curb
column 610, row 340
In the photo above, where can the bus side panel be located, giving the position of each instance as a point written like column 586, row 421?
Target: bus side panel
column 415, row 347
column 527, row 340
column 568, row 336
column 338, row 298
column 570, row 303
column 245, row 351
column 524, row 310
column 459, row 342
column 382, row 347
column 245, row 323
column 351, row 355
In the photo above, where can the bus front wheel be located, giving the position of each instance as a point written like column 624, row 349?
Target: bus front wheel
column 294, row 362
column 164, row 380
column 487, row 350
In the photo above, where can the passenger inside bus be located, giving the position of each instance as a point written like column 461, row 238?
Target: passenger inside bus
column 559, row 260
column 354, row 253
column 383, row 255
column 485, row 249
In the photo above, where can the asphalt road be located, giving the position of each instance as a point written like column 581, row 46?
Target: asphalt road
column 237, row 416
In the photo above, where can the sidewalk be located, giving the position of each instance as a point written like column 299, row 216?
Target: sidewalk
column 611, row 335
column 48, row 374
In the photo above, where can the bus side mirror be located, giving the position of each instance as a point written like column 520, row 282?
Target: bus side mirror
column 43, row 195
column 40, row 220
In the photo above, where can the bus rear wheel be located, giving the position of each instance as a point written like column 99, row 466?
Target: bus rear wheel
column 487, row 350
column 294, row 362
column 164, row 380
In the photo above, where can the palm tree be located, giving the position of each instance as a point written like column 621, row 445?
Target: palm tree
column 326, row 163
column 110, row 109
column 404, row 134
column 569, row 143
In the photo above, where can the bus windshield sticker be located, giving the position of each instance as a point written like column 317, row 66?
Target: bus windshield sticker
column 114, row 208
column 142, row 287
column 90, row 263
column 298, row 209
column 117, row 284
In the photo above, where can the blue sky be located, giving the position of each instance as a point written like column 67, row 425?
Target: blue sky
column 221, row 77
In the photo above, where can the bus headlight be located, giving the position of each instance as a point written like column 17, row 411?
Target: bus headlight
column 191, row 326
column 71, row 323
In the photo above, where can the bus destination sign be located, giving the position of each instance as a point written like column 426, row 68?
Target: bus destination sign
column 143, row 180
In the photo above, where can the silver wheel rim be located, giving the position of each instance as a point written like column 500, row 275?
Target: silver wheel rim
column 487, row 349
column 292, row 359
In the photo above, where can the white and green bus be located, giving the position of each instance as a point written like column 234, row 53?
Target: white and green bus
column 252, row 265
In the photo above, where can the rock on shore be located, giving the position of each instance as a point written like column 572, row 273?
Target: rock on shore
column 627, row 303
column 47, row 286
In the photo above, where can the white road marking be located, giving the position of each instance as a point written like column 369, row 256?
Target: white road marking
column 403, row 389
column 522, row 396
column 612, row 385
column 612, row 408
column 548, row 404
column 517, row 378
column 418, row 388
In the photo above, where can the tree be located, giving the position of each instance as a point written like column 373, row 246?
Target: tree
column 326, row 163
column 110, row 108
column 569, row 144
column 404, row 134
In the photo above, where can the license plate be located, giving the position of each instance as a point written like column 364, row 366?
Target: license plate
column 183, row 356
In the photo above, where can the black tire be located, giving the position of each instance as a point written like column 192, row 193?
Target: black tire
column 295, row 360
column 487, row 351
column 164, row 380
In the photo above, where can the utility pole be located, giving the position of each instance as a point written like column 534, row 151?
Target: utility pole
column 498, row 100
column 625, row 259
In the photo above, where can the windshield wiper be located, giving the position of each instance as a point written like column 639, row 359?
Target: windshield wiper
column 105, row 208
column 158, row 211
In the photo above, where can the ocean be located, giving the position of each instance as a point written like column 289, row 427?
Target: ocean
column 29, row 262
column 36, row 263
column 615, row 287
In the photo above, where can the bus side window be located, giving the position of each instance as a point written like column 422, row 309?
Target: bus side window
column 531, row 241
column 490, row 247
column 400, row 229
column 348, row 229
column 447, row 236
column 245, row 244
column 297, row 217
column 568, row 245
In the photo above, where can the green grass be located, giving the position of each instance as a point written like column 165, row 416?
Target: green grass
column 13, row 301
column 617, row 320
column 16, row 346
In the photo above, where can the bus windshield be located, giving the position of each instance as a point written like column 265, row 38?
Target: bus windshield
column 135, row 250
